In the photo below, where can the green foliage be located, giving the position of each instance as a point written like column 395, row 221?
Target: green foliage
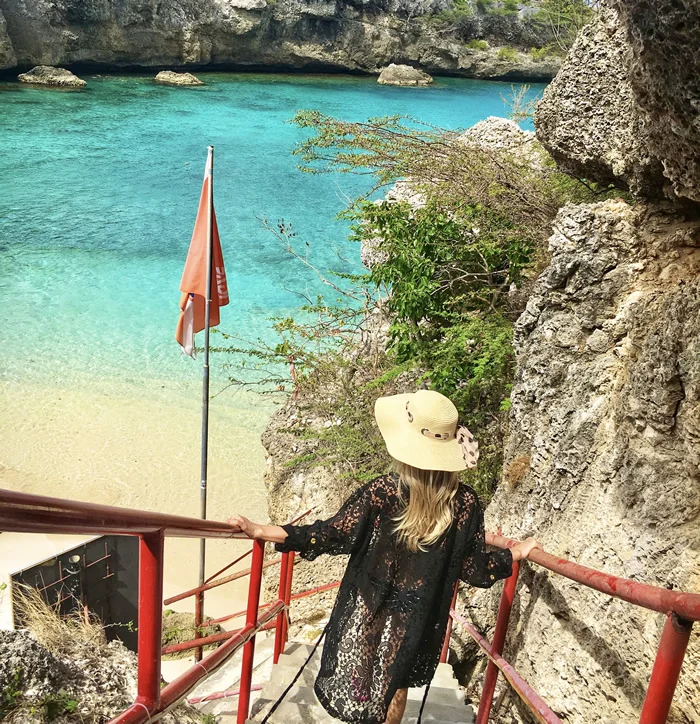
column 507, row 53
column 539, row 53
column 210, row 718
column 58, row 705
column 477, row 45
column 509, row 7
column 444, row 286
column 11, row 695
column 563, row 19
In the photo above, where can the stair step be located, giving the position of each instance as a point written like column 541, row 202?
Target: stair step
column 297, row 713
column 273, row 689
column 451, row 710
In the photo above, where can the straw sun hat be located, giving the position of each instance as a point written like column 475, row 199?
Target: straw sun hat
column 421, row 429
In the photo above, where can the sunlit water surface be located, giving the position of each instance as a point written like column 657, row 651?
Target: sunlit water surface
column 100, row 190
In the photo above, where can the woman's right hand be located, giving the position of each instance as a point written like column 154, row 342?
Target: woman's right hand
column 245, row 526
column 523, row 549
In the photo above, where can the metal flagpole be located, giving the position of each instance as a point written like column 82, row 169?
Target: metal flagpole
column 199, row 611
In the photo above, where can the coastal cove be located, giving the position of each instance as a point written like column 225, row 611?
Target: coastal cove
column 100, row 190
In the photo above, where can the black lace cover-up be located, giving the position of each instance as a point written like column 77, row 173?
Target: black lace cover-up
column 390, row 617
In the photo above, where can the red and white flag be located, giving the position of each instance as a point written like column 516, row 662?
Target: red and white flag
column 194, row 278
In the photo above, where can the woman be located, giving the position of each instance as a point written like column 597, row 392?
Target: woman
column 410, row 535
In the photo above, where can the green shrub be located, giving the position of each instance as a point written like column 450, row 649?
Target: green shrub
column 539, row 53
column 58, row 705
column 477, row 45
column 444, row 287
column 507, row 53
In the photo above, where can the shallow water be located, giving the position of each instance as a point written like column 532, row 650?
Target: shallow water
column 100, row 190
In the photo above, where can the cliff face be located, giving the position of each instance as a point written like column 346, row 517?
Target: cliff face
column 602, row 462
column 603, row 456
column 360, row 35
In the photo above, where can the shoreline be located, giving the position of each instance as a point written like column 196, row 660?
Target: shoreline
column 515, row 74
column 141, row 450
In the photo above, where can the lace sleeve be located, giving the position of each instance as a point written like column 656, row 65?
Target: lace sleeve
column 334, row 536
column 482, row 568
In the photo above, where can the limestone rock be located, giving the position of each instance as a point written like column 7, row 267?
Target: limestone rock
column 403, row 75
column 602, row 461
column 50, row 76
column 358, row 35
column 664, row 72
column 589, row 118
column 170, row 77
column 624, row 107
column 8, row 59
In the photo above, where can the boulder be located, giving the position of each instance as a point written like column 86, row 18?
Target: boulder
column 624, row 106
column 663, row 65
column 403, row 75
column 170, row 77
column 589, row 119
column 50, row 76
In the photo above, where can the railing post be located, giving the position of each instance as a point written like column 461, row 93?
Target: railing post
column 448, row 632
column 251, row 619
column 150, row 619
column 198, row 621
column 288, row 596
column 280, row 618
column 667, row 668
column 499, row 637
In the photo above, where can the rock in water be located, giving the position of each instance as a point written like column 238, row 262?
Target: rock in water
column 170, row 77
column 48, row 75
column 403, row 75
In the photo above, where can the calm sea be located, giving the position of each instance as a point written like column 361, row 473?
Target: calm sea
column 100, row 190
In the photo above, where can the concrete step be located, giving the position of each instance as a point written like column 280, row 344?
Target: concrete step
column 294, row 713
column 304, row 696
column 438, row 695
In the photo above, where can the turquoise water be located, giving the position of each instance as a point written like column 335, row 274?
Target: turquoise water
column 100, row 191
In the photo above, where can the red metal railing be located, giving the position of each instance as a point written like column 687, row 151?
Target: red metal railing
column 21, row 512
column 681, row 610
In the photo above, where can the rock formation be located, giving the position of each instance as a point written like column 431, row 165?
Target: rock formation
column 8, row 59
column 403, row 75
column 624, row 107
column 170, row 77
column 50, row 76
column 354, row 35
column 602, row 461
column 95, row 682
column 603, row 457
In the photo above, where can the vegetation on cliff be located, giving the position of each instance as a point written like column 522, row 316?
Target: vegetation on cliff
column 449, row 263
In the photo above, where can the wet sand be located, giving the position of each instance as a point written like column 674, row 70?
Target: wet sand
column 139, row 447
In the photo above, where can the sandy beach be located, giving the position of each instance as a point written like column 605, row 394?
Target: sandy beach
column 139, row 446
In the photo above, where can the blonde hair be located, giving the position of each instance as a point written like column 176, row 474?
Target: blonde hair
column 428, row 512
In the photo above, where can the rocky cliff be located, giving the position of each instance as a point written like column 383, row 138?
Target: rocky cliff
column 359, row 35
column 602, row 462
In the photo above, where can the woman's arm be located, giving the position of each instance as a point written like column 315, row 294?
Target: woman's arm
column 337, row 535
column 256, row 531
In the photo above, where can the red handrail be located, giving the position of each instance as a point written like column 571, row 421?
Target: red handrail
column 681, row 610
column 23, row 512
column 686, row 605
column 27, row 513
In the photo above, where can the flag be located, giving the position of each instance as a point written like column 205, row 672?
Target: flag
column 194, row 278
